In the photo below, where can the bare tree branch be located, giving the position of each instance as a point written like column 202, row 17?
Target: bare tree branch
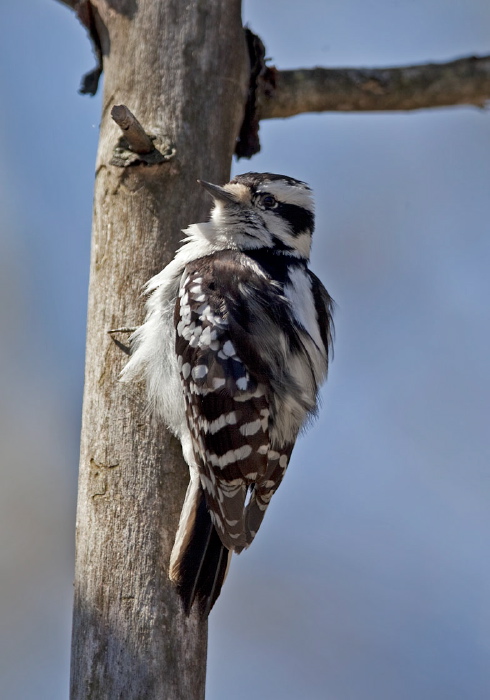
column 280, row 94
column 465, row 81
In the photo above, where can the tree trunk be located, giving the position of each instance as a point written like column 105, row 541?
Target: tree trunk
column 182, row 68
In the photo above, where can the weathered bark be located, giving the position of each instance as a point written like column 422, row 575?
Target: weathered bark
column 182, row 69
column 462, row 82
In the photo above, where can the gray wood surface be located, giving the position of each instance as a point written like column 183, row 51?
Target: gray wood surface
column 181, row 68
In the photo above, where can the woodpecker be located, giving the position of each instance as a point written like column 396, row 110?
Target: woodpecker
column 234, row 348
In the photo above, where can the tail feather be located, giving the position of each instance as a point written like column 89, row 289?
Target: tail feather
column 199, row 562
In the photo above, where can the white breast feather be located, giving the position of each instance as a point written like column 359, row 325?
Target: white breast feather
column 153, row 358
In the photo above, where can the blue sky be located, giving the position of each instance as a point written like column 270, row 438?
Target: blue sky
column 370, row 577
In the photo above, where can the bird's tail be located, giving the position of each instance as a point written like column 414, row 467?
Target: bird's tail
column 199, row 561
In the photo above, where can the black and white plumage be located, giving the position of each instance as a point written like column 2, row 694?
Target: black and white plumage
column 233, row 351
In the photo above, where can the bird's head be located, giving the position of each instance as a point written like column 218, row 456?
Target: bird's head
column 262, row 210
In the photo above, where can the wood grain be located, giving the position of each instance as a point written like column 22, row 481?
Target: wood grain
column 182, row 69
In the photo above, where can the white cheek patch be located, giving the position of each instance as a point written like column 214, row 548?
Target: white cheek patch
column 302, row 244
column 279, row 228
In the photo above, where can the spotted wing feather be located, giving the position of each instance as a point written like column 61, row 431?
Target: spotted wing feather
column 227, row 392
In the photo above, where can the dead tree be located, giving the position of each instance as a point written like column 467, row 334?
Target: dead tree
column 184, row 73
column 199, row 86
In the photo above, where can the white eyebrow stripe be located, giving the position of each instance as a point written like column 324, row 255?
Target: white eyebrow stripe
column 289, row 194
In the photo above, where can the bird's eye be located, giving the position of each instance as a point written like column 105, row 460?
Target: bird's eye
column 268, row 201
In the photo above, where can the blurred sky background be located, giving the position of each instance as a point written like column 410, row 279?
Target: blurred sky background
column 371, row 576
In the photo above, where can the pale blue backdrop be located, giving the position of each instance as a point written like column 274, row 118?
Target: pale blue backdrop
column 370, row 579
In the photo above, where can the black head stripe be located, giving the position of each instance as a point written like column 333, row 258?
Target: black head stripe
column 254, row 180
column 299, row 218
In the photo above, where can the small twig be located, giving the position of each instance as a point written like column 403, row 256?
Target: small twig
column 137, row 138
column 124, row 329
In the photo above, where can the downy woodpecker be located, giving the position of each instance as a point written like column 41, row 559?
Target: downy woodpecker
column 233, row 351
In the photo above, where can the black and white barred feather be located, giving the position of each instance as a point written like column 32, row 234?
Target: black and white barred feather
column 233, row 351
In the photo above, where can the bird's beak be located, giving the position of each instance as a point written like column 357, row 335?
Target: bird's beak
column 218, row 193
